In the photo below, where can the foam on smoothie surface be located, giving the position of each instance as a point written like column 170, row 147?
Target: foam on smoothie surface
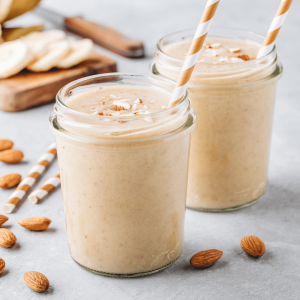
column 119, row 101
column 217, row 50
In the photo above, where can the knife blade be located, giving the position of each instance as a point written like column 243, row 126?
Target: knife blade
column 101, row 35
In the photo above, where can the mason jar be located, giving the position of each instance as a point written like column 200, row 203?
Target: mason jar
column 234, row 104
column 124, row 187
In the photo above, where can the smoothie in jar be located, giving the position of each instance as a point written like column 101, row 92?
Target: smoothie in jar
column 233, row 96
column 123, row 159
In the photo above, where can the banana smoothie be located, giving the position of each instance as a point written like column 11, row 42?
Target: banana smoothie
column 123, row 159
column 233, row 96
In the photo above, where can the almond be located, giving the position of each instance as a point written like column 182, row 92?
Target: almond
column 10, row 180
column 2, row 265
column 205, row 259
column 5, row 144
column 36, row 281
column 7, row 238
column 244, row 57
column 253, row 245
column 11, row 156
column 3, row 219
column 35, row 223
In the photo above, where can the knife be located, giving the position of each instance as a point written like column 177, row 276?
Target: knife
column 103, row 36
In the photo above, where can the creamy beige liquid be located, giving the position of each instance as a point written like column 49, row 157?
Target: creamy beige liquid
column 125, row 200
column 230, row 145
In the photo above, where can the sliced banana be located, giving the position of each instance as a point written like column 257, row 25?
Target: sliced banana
column 48, row 36
column 5, row 6
column 14, row 56
column 39, row 42
column 80, row 51
column 56, row 51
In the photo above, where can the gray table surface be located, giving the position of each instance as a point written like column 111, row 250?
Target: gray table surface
column 275, row 219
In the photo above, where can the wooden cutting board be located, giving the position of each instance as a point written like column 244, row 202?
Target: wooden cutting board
column 28, row 89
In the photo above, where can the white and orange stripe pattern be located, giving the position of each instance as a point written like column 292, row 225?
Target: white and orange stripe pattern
column 45, row 189
column 197, row 43
column 274, row 28
column 27, row 182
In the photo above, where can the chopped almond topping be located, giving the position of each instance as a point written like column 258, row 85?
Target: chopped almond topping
column 120, row 105
column 100, row 113
column 216, row 45
column 138, row 100
column 109, row 115
column 101, row 102
column 244, row 57
column 234, row 50
column 208, row 46
column 118, row 108
column 121, row 121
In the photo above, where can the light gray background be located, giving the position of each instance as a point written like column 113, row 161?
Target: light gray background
column 275, row 219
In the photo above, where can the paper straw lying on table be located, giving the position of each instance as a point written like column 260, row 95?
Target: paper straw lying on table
column 191, row 59
column 274, row 28
column 27, row 182
column 45, row 189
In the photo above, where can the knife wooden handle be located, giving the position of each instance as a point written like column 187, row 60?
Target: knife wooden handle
column 105, row 37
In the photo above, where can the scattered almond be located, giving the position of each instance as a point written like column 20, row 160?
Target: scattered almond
column 253, row 245
column 244, row 57
column 137, row 101
column 120, row 105
column 2, row 265
column 11, row 156
column 7, row 238
column 36, row 281
column 5, row 145
column 35, row 223
column 205, row 259
column 10, row 180
column 3, row 219
column 234, row 50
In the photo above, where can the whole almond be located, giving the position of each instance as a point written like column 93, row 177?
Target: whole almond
column 3, row 219
column 2, row 265
column 5, row 144
column 36, row 281
column 7, row 238
column 35, row 223
column 10, row 180
column 253, row 245
column 205, row 259
column 11, row 156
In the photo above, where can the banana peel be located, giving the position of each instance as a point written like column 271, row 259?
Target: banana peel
column 18, row 7
column 11, row 34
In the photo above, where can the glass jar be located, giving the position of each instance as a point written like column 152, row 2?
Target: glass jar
column 234, row 105
column 124, row 188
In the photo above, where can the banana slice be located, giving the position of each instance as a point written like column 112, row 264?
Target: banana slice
column 5, row 6
column 14, row 56
column 80, row 51
column 39, row 42
column 48, row 36
column 56, row 51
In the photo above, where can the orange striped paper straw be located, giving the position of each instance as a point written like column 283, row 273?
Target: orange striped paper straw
column 31, row 178
column 45, row 189
column 191, row 59
column 276, row 24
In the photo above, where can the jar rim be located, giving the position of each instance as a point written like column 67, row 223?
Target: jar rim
column 193, row 30
column 76, row 122
column 77, row 82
